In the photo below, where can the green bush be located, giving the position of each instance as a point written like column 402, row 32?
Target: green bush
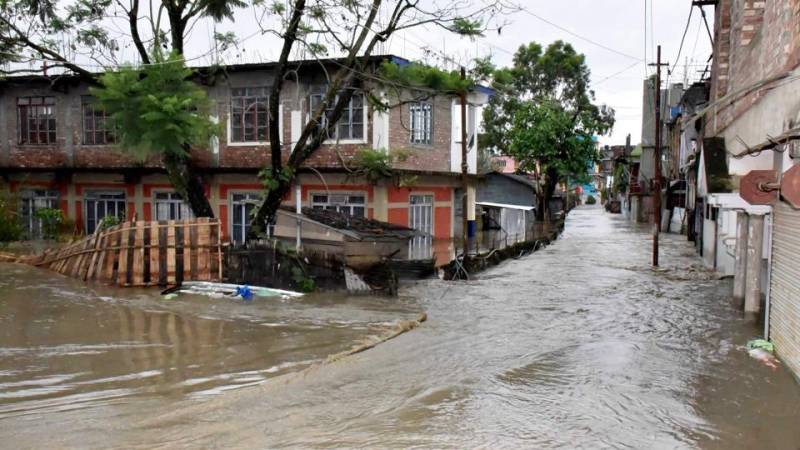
column 108, row 222
column 10, row 227
column 590, row 200
column 51, row 219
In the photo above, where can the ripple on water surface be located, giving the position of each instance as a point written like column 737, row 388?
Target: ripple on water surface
column 67, row 346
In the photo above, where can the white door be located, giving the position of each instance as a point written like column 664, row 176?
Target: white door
column 420, row 218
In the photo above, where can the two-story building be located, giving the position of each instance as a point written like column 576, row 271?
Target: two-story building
column 58, row 150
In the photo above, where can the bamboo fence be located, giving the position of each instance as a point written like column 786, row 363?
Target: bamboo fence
column 142, row 253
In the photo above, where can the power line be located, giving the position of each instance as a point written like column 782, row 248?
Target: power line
column 603, row 80
column 583, row 38
column 708, row 29
column 680, row 48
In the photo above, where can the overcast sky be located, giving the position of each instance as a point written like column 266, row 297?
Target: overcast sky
column 618, row 25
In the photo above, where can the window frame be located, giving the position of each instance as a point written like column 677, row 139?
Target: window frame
column 232, row 204
column 320, row 93
column 29, row 196
column 427, row 131
column 229, row 125
column 87, row 105
column 178, row 203
column 86, row 199
column 338, row 206
column 48, row 102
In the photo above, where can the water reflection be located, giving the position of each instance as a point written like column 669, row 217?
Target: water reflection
column 66, row 345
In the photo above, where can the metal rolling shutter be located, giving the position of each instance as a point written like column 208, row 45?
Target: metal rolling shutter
column 785, row 285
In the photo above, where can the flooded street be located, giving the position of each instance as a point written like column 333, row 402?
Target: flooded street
column 579, row 345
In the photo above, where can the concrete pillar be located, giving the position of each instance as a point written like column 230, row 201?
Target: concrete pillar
column 471, row 227
column 380, row 203
column 755, row 244
column 740, row 256
column 138, row 200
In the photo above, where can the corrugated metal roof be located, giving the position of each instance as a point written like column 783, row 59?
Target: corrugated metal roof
column 505, row 205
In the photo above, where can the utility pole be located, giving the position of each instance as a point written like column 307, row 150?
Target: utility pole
column 464, row 166
column 657, row 158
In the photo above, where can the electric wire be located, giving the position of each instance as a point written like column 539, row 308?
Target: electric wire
column 683, row 38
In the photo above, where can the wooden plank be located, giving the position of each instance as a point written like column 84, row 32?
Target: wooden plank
column 219, row 250
column 87, row 256
column 60, row 254
column 154, row 253
column 113, row 259
column 137, row 278
column 64, row 266
column 146, row 253
column 162, row 253
column 179, row 260
column 214, row 239
column 203, row 252
column 171, row 252
column 121, row 276
column 97, row 266
column 129, row 251
column 90, row 255
column 191, row 243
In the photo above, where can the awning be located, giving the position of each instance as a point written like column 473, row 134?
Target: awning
column 504, row 205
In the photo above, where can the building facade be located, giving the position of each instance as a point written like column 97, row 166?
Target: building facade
column 754, row 98
column 58, row 150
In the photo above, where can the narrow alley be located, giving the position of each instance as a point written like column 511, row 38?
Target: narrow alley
column 579, row 345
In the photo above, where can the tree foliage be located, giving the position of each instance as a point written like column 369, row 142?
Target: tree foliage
column 544, row 133
column 544, row 113
column 156, row 110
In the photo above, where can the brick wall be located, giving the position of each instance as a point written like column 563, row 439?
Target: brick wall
column 433, row 157
column 754, row 40
column 70, row 152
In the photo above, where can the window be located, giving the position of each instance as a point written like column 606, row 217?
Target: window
column 249, row 114
column 102, row 204
column 36, row 120
column 170, row 206
column 31, row 201
column 352, row 204
column 97, row 128
column 242, row 207
column 421, row 123
column 351, row 124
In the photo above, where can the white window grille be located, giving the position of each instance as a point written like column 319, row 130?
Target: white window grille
column 102, row 204
column 242, row 207
column 421, row 123
column 170, row 206
column 352, row 204
column 32, row 200
column 351, row 125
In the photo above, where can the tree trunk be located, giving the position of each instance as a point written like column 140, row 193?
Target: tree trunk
column 268, row 210
column 188, row 183
column 551, row 181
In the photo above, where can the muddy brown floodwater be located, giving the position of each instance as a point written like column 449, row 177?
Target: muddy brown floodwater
column 580, row 345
